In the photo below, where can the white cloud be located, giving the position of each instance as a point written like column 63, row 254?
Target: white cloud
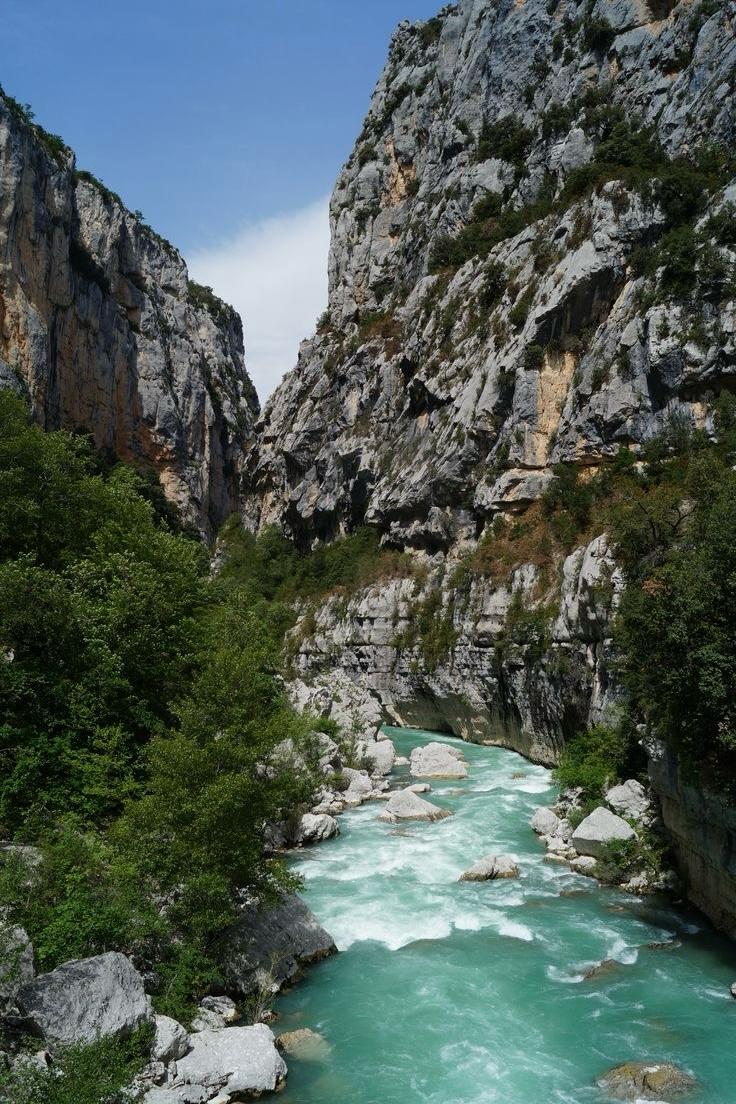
column 274, row 273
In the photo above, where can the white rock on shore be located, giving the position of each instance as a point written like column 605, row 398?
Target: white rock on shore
column 598, row 829
column 233, row 1060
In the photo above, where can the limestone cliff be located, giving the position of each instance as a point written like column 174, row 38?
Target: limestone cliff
column 101, row 328
column 488, row 315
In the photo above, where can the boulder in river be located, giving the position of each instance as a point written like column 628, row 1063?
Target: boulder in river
column 86, row 998
column 315, row 828
column 304, row 1044
column 232, row 1061
column 544, row 822
column 646, row 1081
column 437, row 760
column 598, row 829
column 490, row 868
column 405, row 805
column 383, row 756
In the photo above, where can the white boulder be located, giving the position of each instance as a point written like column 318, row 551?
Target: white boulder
column 315, row 827
column 490, row 868
column 171, row 1040
column 86, row 998
column 437, row 760
column 405, row 805
column 630, row 799
column 598, row 829
column 544, row 822
column 232, row 1061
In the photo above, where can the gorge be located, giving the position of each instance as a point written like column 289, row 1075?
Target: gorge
column 495, row 499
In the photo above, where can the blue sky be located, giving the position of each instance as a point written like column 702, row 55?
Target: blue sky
column 224, row 121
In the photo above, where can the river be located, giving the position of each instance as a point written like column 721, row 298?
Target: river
column 450, row 992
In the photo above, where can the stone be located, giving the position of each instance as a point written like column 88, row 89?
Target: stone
column 629, row 799
column 732, row 990
column 315, row 828
column 437, row 760
column 602, row 969
column 215, row 1013
column 646, row 1081
column 233, row 1060
column 405, row 805
column 598, row 829
column 16, row 963
column 171, row 1040
column 544, row 822
column 383, row 756
column 304, row 1044
column 584, row 864
column 266, row 947
column 490, row 868
column 419, row 787
column 162, row 1096
column 86, row 998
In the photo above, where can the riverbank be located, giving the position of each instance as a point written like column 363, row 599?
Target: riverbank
column 477, row 992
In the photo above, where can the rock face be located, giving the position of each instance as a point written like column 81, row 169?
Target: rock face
column 84, row 999
column 235, row 1060
column 490, row 868
column 646, row 1081
column 702, row 828
column 101, row 329
column 438, row 390
column 437, row 761
column 268, row 947
column 406, row 805
column 599, row 829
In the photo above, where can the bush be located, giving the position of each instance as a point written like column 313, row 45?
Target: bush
column 597, row 758
column 506, row 138
column 99, row 1072
column 598, row 34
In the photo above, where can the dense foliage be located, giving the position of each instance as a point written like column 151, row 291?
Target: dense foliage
column 139, row 701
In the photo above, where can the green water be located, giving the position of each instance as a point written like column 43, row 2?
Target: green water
column 471, row 993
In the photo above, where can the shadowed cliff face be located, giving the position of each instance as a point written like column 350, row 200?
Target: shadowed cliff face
column 99, row 326
column 488, row 315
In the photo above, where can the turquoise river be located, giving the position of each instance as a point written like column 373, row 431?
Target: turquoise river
column 450, row 992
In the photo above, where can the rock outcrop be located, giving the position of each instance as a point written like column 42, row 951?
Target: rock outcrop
column 102, row 330
column 267, row 947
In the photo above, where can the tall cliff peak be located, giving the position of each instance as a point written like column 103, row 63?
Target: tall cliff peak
column 102, row 329
column 531, row 262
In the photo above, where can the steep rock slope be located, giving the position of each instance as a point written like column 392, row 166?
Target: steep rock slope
column 488, row 312
column 101, row 328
